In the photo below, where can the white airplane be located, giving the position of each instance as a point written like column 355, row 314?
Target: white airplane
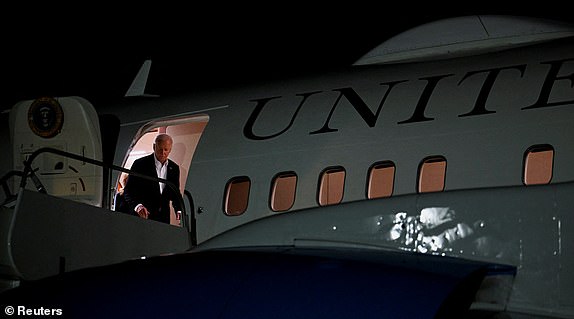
column 432, row 178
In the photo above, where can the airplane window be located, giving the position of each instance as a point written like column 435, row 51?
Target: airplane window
column 538, row 162
column 432, row 174
column 237, row 195
column 332, row 185
column 283, row 191
column 381, row 180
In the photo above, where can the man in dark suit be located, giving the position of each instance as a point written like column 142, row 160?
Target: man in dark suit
column 150, row 199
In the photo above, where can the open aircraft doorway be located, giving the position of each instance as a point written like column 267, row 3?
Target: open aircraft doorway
column 186, row 133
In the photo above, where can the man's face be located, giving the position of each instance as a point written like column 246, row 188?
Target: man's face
column 162, row 150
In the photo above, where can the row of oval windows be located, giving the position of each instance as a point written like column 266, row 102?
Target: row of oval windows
column 538, row 163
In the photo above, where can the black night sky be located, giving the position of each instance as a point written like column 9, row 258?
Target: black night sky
column 96, row 52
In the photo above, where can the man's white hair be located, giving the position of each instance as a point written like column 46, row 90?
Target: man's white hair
column 162, row 137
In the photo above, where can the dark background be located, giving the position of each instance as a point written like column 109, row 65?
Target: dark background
column 95, row 52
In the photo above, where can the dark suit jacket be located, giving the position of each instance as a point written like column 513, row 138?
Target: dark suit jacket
column 142, row 191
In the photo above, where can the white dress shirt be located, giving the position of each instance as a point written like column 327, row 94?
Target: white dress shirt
column 161, row 172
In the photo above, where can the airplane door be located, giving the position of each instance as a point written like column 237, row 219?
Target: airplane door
column 68, row 124
column 185, row 132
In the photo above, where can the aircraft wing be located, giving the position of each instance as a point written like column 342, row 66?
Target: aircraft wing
column 272, row 282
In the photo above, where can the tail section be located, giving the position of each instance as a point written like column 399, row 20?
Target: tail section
column 137, row 88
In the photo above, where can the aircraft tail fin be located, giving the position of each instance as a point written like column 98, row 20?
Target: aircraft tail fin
column 137, row 88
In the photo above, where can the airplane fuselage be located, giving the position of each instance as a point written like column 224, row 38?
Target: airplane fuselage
column 481, row 114
column 405, row 152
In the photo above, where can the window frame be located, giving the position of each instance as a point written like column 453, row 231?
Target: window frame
column 539, row 148
column 333, row 169
column 272, row 192
column 228, row 193
column 431, row 160
column 372, row 168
